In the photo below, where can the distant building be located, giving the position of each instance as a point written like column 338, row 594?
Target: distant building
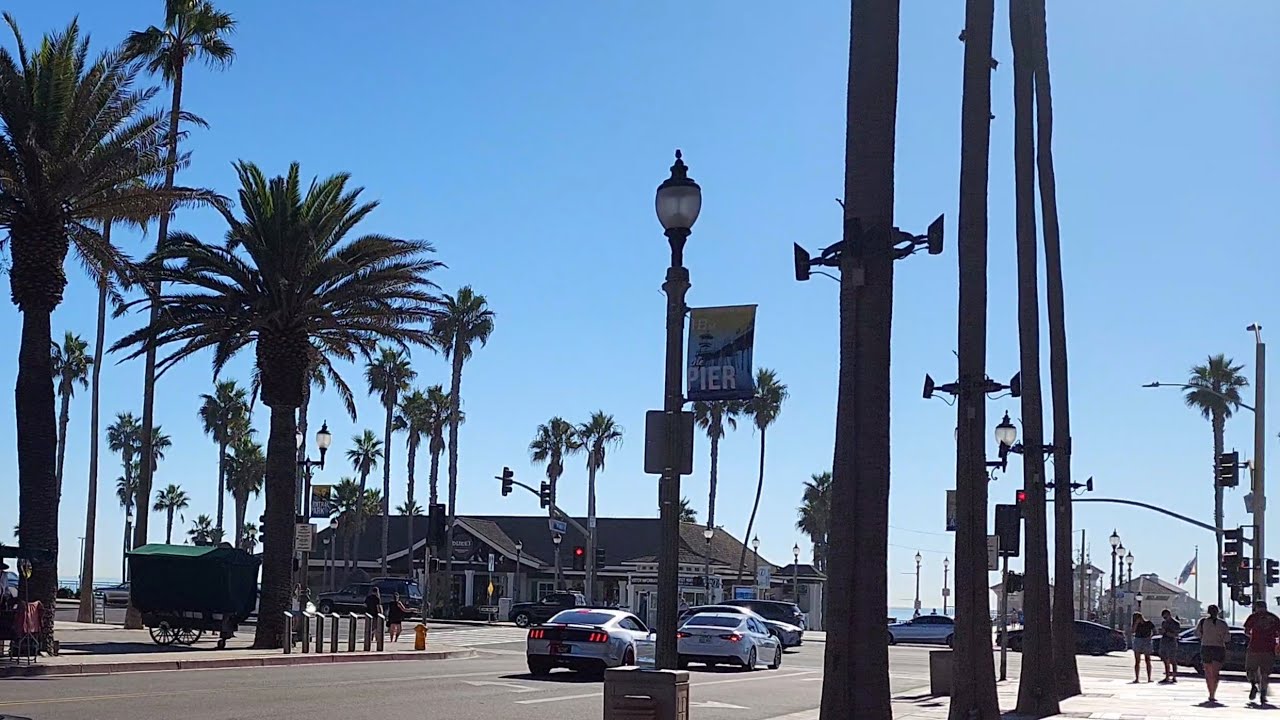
column 1157, row 595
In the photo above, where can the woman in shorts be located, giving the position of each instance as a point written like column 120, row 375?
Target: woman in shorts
column 1214, row 634
column 395, row 617
column 1142, row 631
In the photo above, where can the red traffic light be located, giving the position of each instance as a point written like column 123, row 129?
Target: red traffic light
column 1021, row 497
column 579, row 551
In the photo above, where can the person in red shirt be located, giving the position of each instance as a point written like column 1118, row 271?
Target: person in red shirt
column 1263, row 631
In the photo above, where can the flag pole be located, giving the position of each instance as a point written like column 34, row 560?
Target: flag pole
column 1197, row 569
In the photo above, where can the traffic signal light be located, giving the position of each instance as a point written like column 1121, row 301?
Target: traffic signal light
column 1020, row 499
column 1273, row 572
column 1240, row 597
column 600, row 557
column 508, row 481
column 579, row 557
column 1228, row 470
column 1232, row 543
column 436, row 530
column 1014, row 583
column 544, row 495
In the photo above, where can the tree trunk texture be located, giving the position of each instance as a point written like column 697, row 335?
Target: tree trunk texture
column 386, row 484
column 1037, row 689
column 858, row 580
column 433, row 478
column 591, row 534
column 85, row 612
column 64, row 419
column 168, row 527
column 715, row 477
column 974, row 682
column 751, row 521
column 37, row 433
column 1219, row 423
column 455, row 388
column 1064, row 633
column 277, row 544
column 222, row 481
column 411, row 466
column 242, row 506
column 133, row 620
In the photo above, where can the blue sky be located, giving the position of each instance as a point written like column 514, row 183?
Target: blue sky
column 526, row 139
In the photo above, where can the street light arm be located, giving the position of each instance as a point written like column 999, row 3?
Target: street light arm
column 1201, row 388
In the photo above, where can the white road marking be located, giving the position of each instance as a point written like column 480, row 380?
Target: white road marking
column 558, row 699
column 715, row 704
column 509, row 686
column 802, row 715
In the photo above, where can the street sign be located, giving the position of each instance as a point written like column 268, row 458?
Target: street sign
column 302, row 533
column 946, row 592
column 558, row 527
column 763, row 577
column 951, row 511
column 490, row 570
column 993, row 552
column 491, row 588
column 657, row 444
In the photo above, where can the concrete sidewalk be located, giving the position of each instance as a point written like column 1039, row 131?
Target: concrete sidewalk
column 97, row 648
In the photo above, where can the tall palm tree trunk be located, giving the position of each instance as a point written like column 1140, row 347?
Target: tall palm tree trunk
column 1064, row 633
column 386, row 484
column 1037, row 693
column 277, row 547
column 241, row 507
column 124, row 548
column 85, row 612
column 168, row 527
column 715, row 477
column 133, row 619
column 1219, row 423
column 455, row 388
column 222, row 482
column 64, row 419
column 591, row 533
column 860, row 467
column 303, row 476
column 755, row 506
column 433, row 494
column 36, row 426
column 973, row 691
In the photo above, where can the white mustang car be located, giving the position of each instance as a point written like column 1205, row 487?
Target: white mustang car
column 585, row 640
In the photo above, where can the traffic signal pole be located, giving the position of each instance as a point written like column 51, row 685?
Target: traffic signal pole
column 1004, row 617
column 555, row 509
column 1259, row 488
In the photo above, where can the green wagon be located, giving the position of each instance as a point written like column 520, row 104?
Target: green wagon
column 183, row 591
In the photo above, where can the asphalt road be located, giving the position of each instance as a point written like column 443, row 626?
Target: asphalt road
column 495, row 684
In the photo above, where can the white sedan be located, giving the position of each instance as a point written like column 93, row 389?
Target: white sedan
column 729, row 638
column 586, row 640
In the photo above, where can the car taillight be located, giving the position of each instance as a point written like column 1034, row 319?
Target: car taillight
column 537, row 634
column 598, row 637
column 682, row 634
column 731, row 637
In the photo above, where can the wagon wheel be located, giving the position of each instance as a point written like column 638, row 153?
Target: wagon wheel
column 163, row 634
column 187, row 636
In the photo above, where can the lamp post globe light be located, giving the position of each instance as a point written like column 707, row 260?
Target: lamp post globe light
column 755, row 565
column 1006, row 432
column 946, row 591
column 306, row 467
column 917, row 603
column 1128, row 560
column 555, row 538
column 1115, row 546
column 678, row 202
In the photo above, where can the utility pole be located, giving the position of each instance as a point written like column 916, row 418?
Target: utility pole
column 1259, row 487
column 1004, row 618
column 1083, row 612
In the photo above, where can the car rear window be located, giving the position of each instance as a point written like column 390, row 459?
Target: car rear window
column 714, row 621
column 582, row 617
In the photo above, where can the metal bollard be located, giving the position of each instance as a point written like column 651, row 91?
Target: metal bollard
column 351, row 632
column 306, row 633
column 288, row 632
column 319, row 636
column 380, row 626
column 333, row 633
column 368, row 632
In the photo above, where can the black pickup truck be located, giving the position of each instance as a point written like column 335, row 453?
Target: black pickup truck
column 535, row 613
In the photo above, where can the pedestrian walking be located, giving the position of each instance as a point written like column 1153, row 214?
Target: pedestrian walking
column 1263, row 630
column 395, row 617
column 1214, row 634
column 1169, row 631
column 373, row 602
column 1142, row 631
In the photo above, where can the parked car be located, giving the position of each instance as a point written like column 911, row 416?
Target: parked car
column 1091, row 639
column 924, row 629
column 786, row 612
column 533, row 613
column 713, row 638
column 351, row 598
column 584, row 640
column 116, row 594
column 789, row 635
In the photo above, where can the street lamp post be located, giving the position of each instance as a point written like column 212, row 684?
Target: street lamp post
column 1258, row 487
column 559, row 570
column 946, row 591
column 519, row 560
column 1128, row 560
column 706, row 571
column 917, row 607
column 755, row 565
column 678, row 202
column 324, row 439
column 795, row 572
column 1115, row 545
column 1138, row 597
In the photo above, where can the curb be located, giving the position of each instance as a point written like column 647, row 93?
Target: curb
column 281, row 660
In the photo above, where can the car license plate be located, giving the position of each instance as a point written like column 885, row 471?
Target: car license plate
column 561, row 649
column 704, row 639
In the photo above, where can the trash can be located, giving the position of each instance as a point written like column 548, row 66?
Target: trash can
column 941, row 663
column 635, row 694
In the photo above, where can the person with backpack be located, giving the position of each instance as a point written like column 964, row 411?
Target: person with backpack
column 1170, row 628
column 1214, row 633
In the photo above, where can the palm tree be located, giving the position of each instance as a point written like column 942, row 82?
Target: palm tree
column 246, row 468
column 248, row 537
column 192, row 29
column 390, row 376
column 763, row 409
column 365, row 453
column 222, row 414
column 464, row 321
column 169, row 501
column 599, row 433
column 202, row 531
column 715, row 417
column 815, row 516
column 411, row 417
column 1213, row 389
column 439, row 415
column 553, row 441
column 73, row 129
column 127, row 494
column 124, row 436
column 71, row 364
column 1063, row 596
column 687, row 513
column 346, row 497
column 300, row 288
column 1037, row 686
column 974, row 682
column 409, row 509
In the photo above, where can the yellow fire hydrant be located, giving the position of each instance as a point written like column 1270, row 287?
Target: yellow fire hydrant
column 420, row 637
